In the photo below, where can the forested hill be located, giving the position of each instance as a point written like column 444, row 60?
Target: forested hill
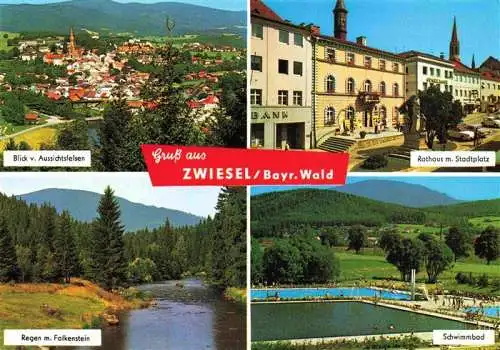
column 111, row 16
column 82, row 205
column 274, row 213
column 397, row 192
column 469, row 209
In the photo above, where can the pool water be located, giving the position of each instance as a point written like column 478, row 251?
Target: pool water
column 301, row 293
column 491, row 311
column 286, row 321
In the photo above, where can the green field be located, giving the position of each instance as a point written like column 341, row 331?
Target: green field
column 35, row 137
column 483, row 222
column 3, row 41
column 371, row 264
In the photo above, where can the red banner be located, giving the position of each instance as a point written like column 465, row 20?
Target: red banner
column 213, row 166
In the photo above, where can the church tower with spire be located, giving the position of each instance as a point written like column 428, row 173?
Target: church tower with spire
column 340, row 15
column 454, row 44
column 473, row 66
column 72, row 46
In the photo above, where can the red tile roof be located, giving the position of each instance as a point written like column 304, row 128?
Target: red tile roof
column 491, row 63
column 258, row 8
column 490, row 76
column 31, row 116
column 462, row 68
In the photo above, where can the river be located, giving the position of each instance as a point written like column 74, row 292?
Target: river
column 191, row 317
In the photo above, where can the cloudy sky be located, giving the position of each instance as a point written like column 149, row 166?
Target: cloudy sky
column 136, row 187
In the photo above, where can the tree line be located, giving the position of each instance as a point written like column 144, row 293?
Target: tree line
column 38, row 244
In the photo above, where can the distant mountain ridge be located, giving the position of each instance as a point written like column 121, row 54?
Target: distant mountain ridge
column 83, row 206
column 108, row 15
column 397, row 192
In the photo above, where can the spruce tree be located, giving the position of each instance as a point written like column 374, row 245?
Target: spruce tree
column 228, row 258
column 114, row 136
column 65, row 249
column 8, row 261
column 110, row 265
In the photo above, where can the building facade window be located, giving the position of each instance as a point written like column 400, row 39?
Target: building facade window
column 283, row 97
column 350, row 58
column 438, row 72
column 298, row 40
column 368, row 86
column 330, row 54
column 395, row 67
column 329, row 116
column 330, row 84
column 395, row 89
column 297, row 98
column 256, row 63
column 350, row 86
column 257, row 30
column 382, row 89
column 432, row 71
column 284, row 37
column 283, row 66
column 382, row 64
column 424, row 70
column 297, row 68
column 256, row 97
column 368, row 62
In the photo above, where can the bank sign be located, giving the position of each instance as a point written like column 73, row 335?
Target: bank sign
column 266, row 115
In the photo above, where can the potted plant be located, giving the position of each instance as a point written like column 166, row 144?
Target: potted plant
column 362, row 134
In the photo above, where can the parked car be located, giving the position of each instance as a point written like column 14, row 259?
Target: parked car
column 461, row 135
column 491, row 122
column 483, row 132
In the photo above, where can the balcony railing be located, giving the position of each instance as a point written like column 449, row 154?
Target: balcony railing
column 369, row 97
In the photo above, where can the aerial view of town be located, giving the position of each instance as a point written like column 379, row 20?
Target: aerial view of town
column 109, row 76
column 387, row 78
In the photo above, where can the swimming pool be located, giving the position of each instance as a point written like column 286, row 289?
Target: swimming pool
column 285, row 321
column 491, row 311
column 301, row 293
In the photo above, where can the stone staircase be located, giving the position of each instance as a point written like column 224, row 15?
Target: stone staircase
column 402, row 153
column 337, row 144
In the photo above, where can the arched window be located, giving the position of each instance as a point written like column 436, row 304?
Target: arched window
column 329, row 116
column 395, row 89
column 350, row 86
column 382, row 88
column 368, row 86
column 330, row 83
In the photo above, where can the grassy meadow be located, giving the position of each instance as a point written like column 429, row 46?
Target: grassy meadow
column 76, row 304
column 371, row 264
column 3, row 40
column 35, row 137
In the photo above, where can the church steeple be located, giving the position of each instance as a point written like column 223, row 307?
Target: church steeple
column 340, row 25
column 72, row 46
column 473, row 66
column 454, row 44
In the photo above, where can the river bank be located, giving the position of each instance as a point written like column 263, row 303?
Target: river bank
column 80, row 304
